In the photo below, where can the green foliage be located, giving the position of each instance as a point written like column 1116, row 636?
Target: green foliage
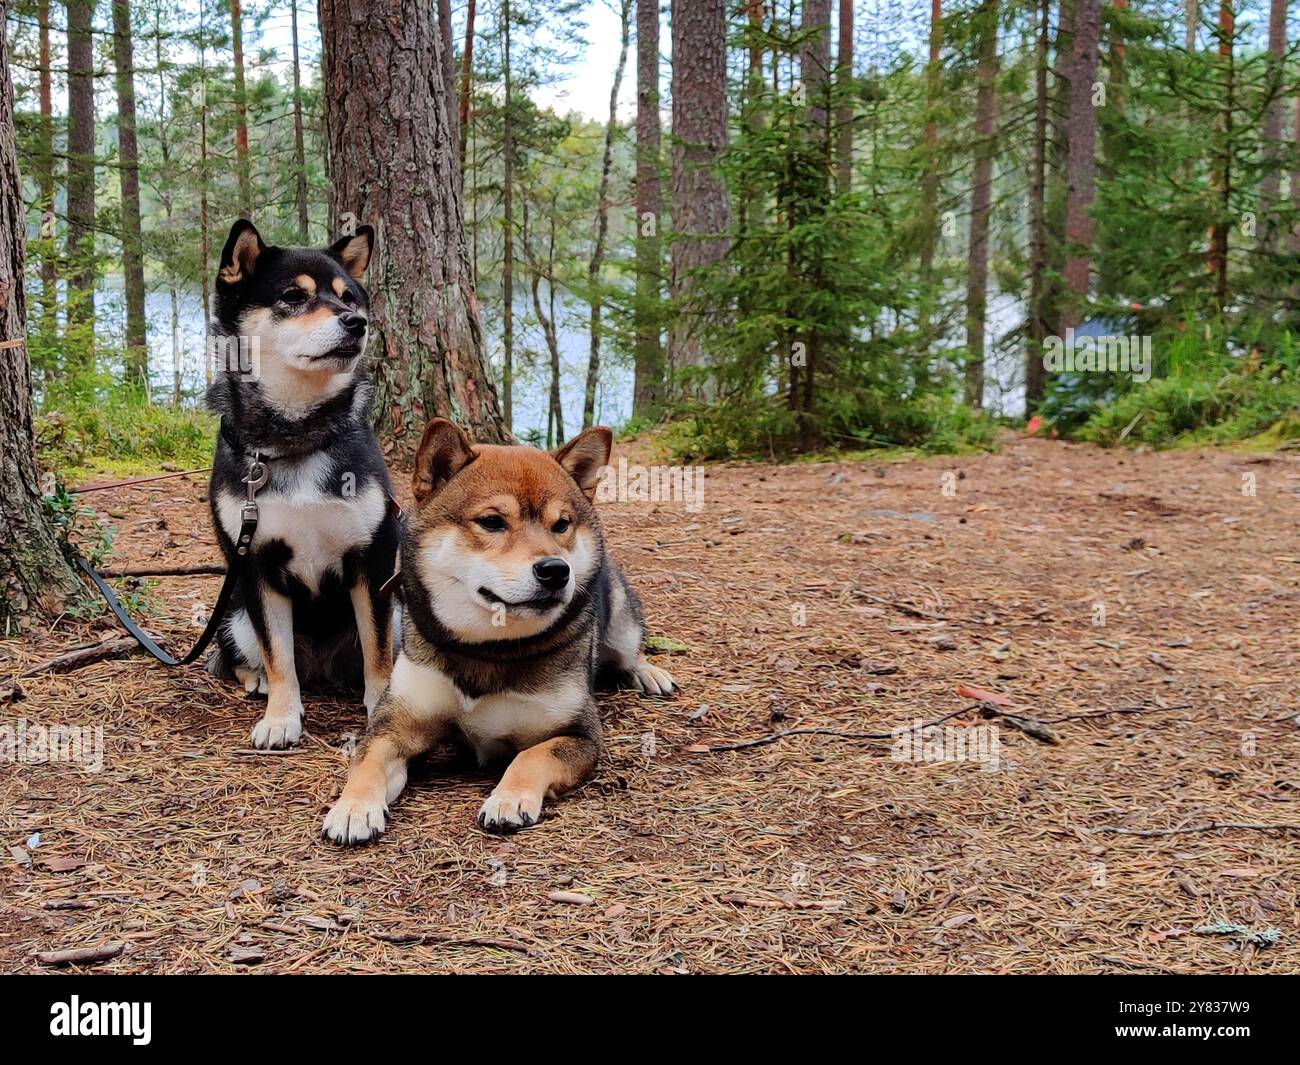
column 63, row 509
column 123, row 438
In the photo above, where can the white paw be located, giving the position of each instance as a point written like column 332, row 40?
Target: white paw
column 508, row 811
column 354, row 821
column 273, row 732
column 650, row 679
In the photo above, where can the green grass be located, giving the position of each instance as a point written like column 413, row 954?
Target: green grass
column 122, row 439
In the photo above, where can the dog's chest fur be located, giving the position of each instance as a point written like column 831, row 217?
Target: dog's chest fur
column 319, row 526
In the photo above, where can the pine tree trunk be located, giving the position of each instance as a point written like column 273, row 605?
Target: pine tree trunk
column 1221, row 166
column 449, row 80
column 242, row 163
column 299, row 150
column 34, row 577
column 507, row 226
column 393, row 160
column 815, row 72
column 1268, row 189
column 1035, row 371
column 49, row 269
column 203, row 193
column 844, row 113
column 701, row 214
column 602, row 222
column 81, row 178
column 930, row 170
column 137, row 351
column 1081, row 161
column 466, row 74
column 648, row 355
column 981, row 202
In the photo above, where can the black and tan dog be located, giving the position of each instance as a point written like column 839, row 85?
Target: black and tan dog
column 512, row 610
column 289, row 329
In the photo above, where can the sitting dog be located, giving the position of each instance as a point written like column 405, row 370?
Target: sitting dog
column 308, row 606
column 511, row 609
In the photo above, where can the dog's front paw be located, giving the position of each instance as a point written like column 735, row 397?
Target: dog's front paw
column 276, row 731
column 509, row 811
column 354, row 820
column 650, row 679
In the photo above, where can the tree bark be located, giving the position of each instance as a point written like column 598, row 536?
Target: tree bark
column 203, row 187
column 449, row 79
column 648, row 354
column 299, row 151
column 242, row 163
column 1035, row 371
column 1221, row 167
column 930, row 169
column 49, row 269
column 34, row 576
column 815, row 73
column 1268, row 190
column 1081, row 161
column 844, row 112
column 81, row 175
column 507, row 225
column 386, row 105
column 137, row 351
column 602, row 222
column 466, row 74
column 701, row 214
column 981, row 201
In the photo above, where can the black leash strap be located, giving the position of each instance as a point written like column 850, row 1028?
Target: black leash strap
column 257, row 477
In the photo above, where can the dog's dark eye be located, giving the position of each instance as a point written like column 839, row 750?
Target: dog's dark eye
column 293, row 295
column 348, row 298
column 491, row 523
column 561, row 526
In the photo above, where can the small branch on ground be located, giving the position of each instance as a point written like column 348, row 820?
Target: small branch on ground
column 205, row 570
column 1212, row 826
column 83, row 656
column 763, row 741
column 80, row 955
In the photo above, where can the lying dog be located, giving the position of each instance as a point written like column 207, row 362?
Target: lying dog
column 512, row 609
column 292, row 395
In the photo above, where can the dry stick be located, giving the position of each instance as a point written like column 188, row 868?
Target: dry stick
column 207, row 569
column 910, row 611
column 83, row 656
column 77, row 955
column 762, row 741
column 418, row 938
column 1117, row 710
column 1212, row 826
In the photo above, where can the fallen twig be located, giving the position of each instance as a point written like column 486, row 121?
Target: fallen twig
column 1116, row 710
column 1212, row 826
column 416, row 938
column 80, row 955
column 762, row 741
column 207, row 569
column 83, row 656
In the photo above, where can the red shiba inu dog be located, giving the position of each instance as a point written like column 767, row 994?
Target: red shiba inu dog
column 512, row 612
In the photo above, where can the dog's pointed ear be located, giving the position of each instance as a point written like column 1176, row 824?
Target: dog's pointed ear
column 354, row 251
column 239, row 256
column 586, row 456
column 444, row 451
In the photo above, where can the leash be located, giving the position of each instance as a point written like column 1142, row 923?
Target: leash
column 258, row 475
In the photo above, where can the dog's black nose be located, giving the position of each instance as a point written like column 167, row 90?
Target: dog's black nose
column 353, row 323
column 551, row 573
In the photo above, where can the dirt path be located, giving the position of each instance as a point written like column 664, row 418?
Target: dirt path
column 847, row 597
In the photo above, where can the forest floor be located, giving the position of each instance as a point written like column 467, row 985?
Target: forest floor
column 1142, row 609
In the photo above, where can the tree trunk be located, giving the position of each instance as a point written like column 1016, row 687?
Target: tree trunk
column 386, row 106
column 1221, row 168
column 137, row 351
column 815, row 73
column 449, row 81
column 507, row 225
column 930, row 169
column 536, row 271
column 34, row 577
column 648, row 355
column 1081, row 161
column 986, row 103
column 602, row 222
column 242, row 164
column 844, row 113
column 1193, row 24
column 1268, row 191
column 81, row 178
column 466, row 74
column 299, row 151
column 206, row 286
column 700, row 211
column 1035, row 371
column 49, row 269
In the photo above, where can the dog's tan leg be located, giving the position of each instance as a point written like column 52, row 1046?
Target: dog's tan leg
column 544, row 771
column 376, row 632
column 411, row 717
column 281, row 725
